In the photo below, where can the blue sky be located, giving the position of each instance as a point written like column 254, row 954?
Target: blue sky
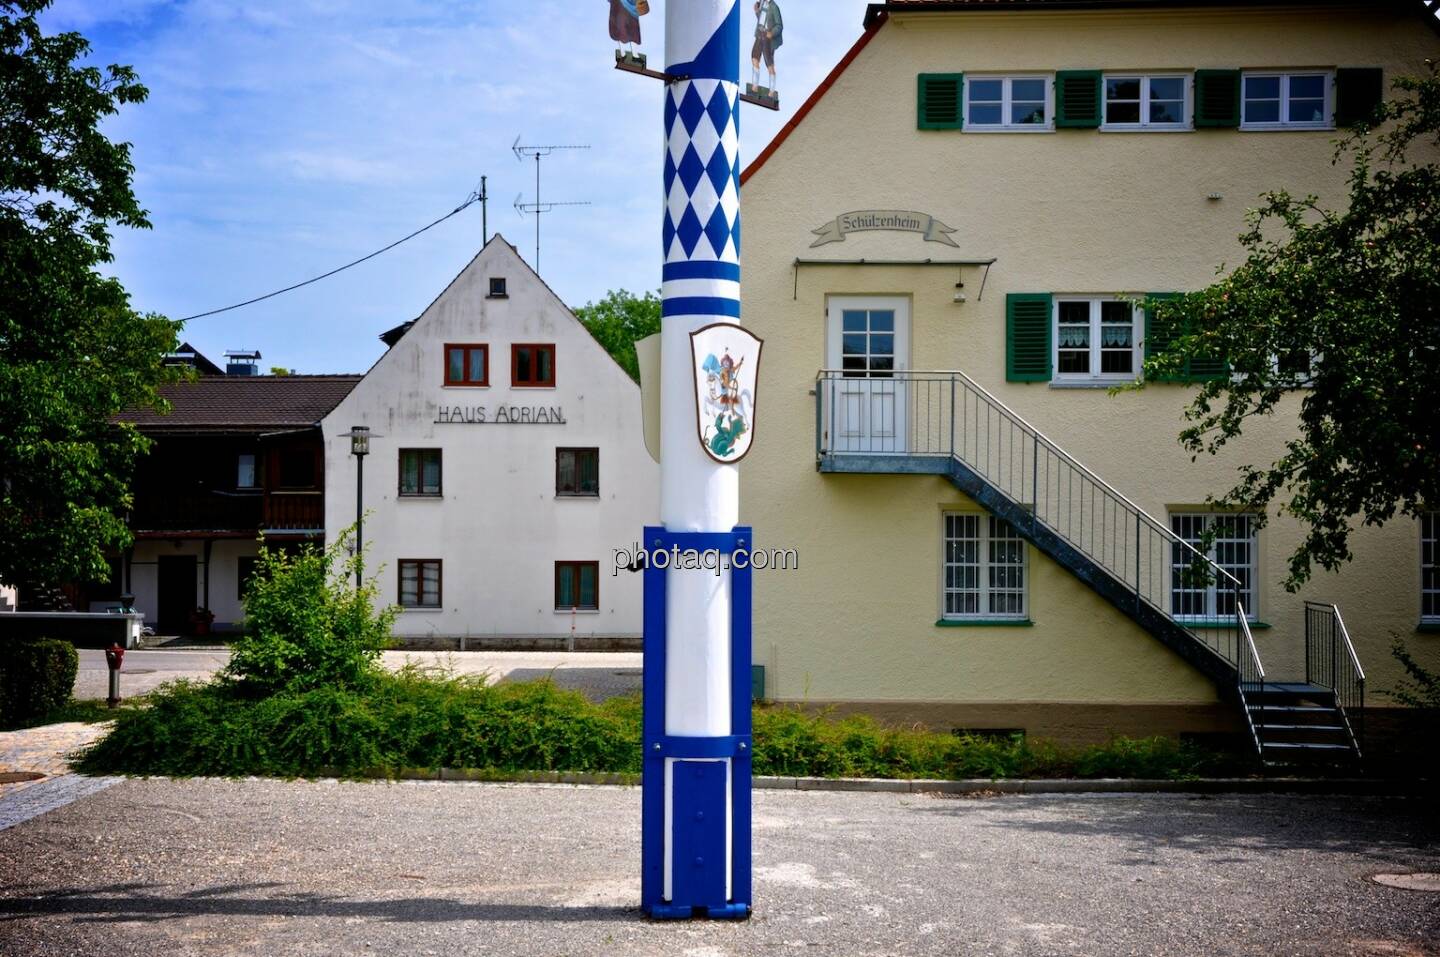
column 283, row 138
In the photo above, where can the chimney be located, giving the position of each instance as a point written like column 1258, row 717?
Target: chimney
column 242, row 362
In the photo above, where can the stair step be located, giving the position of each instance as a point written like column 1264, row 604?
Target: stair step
column 1294, row 708
column 1303, row 746
column 1301, row 727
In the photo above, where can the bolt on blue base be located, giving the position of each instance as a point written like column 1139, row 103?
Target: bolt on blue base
column 700, row 793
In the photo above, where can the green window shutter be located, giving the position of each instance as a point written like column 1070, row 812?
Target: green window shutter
column 1217, row 98
column 1027, row 336
column 941, row 101
column 1077, row 98
column 1159, row 334
column 1358, row 90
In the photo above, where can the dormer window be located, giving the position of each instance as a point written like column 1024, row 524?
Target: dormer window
column 497, row 288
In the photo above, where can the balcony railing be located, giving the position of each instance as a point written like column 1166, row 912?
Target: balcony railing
column 925, row 421
column 181, row 511
column 294, row 511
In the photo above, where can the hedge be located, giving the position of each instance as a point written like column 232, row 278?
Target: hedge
column 37, row 676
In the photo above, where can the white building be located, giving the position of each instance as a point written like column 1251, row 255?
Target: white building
column 507, row 465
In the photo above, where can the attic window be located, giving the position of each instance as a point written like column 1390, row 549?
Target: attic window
column 497, row 288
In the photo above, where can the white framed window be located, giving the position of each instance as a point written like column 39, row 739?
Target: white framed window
column 1013, row 103
column 1235, row 550
column 985, row 575
column 1097, row 339
column 1147, row 102
column 1430, row 568
column 1274, row 100
column 245, row 470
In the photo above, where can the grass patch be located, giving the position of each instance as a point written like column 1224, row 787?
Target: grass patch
column 412, row 720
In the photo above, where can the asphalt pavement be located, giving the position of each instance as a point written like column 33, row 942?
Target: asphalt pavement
column 598, row 674
column 278, row 868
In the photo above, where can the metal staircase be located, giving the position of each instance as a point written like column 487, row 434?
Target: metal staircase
column 944, row 423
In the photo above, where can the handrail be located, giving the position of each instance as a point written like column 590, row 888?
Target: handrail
column 1055, row 449
column 1250, row 641
column 1349, row 646
column 1325, row 635
column 1250, row 677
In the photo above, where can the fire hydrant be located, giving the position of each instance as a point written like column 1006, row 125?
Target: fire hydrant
column 114, row 657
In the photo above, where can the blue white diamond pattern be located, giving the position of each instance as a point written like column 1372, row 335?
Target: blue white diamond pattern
column 702, row 172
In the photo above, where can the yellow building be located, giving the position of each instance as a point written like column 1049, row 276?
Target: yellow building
column 957, row 226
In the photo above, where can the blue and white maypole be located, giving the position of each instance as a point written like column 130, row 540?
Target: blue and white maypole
column 696, row 801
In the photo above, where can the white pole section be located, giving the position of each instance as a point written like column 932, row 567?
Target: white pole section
column 701, row 286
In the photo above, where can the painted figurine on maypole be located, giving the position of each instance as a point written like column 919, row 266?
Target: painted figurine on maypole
column 769, row 35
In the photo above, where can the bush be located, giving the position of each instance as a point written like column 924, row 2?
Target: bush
column 1420, row 688
column 307, row 626
column 397, row 721
column 37, row 676
column 408, row 720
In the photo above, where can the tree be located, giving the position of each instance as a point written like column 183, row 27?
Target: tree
column 620, row 319
column 72, row 351
column 1344, row 306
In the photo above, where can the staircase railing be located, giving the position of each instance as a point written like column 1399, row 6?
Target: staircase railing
column 947, row 414
column 1331, row 662
column 1251, row 674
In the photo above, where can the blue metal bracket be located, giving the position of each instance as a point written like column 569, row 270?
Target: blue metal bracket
column 695, row 897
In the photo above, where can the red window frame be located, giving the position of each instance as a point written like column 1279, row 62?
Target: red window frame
column 537, row 348
column 420, row 564
column 572, row 570
column 467, row 349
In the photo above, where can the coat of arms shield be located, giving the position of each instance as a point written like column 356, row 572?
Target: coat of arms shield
column 727, row 369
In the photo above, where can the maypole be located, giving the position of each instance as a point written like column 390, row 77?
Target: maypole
column 696, row 799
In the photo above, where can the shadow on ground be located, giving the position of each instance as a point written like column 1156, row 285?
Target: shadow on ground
column 121, row 902
column 1379, row 829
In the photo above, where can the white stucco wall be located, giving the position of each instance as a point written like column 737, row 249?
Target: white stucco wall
column 499, row 527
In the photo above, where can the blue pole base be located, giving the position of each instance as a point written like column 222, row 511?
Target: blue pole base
column 676, row 912
column 706, row 775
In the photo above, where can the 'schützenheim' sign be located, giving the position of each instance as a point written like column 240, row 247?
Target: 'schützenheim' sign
column 895, row 220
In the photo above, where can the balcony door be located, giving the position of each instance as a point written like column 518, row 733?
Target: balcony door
column 867, row 343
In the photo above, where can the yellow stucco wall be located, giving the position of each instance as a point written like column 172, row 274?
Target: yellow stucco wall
column 1072, row 211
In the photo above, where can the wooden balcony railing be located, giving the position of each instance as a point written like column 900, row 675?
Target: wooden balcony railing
column 180, row 511
column 294, row 511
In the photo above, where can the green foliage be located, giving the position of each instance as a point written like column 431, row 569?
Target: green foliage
column 36, row 677
column 1420, row 688
column 398, row 721
column 792, row 742
column 1356, row 292
column 72, row 351
column 307, row 625
column 618, row 321
column 409, row 720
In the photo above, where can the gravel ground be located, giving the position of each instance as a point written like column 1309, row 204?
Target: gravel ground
column 266, row 867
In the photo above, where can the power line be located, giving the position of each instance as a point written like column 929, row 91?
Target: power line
column 470, row 201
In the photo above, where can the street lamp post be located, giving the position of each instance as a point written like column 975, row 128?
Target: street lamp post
column 359, row 447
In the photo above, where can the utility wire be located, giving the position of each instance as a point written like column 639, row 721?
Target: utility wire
column 470, row 201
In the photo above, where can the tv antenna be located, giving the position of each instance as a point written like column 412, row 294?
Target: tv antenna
column 538, row 207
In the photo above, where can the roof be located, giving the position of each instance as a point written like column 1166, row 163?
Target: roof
column 245, row 403
column 905, row 6
column 188, row 355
